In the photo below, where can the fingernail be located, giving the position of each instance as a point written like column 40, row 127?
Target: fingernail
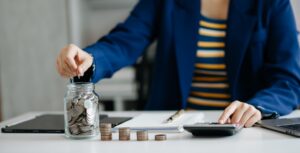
column 221, row 121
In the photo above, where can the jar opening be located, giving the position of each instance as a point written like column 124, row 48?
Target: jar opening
column 75, row 86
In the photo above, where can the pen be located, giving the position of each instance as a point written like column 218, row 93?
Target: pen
column 174, row 116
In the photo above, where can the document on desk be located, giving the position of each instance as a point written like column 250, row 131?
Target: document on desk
column 155, row 121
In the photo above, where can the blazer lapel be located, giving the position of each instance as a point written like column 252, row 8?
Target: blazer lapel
column 185, row 30
column 240, row 28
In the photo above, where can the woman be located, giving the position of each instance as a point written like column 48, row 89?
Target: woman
column 241, row 55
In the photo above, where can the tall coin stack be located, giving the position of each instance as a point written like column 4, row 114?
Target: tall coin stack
column 142, row 135
column 105, row 130
column 124, row 134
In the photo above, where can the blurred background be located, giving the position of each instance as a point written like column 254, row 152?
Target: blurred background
column 32, row 32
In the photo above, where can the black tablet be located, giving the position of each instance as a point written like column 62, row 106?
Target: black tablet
column 50, row 123
column 212, row 129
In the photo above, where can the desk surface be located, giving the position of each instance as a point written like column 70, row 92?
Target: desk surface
column 252, row 140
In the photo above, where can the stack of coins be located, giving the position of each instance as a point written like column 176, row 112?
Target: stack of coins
column 124, row 134
column 160, row 137
column 142, row 135
column 105, row 130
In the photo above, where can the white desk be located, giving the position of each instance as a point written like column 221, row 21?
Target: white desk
column 250, row 140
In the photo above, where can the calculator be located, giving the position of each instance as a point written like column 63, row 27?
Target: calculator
column 212, row 129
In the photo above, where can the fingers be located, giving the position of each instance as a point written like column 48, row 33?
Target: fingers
column 70, row 69
column 247, row 115
column 228, row 121
column 84, row 66
column 65, row 67
column 71, row 53
column 60, row 69
column 69, row 60
column 228, row 112
column 256, row 117
column 68, row 55
column 242, row 113
column 85, row 61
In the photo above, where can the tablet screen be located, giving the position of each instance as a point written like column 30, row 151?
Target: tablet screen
column 52, row 123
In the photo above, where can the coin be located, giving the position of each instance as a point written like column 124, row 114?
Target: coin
column 124, row 130
column 124, row 134
column 106, row 137
column 105, row 125
column 88, row 104
column 85, row 128
column 160, row 137
column 142, row 135
column 105, row 131
column 74, row 129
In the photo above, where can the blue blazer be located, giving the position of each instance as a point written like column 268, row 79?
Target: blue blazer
column 262, row 51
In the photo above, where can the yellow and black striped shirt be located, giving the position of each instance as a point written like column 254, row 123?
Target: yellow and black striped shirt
column 210, row 87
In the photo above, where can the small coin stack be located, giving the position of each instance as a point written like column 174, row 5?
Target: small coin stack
column 142, row 135
column 124, row 134
column 105, row 130
column 160, row 137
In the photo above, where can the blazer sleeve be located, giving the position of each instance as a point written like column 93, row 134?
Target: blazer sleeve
column 126, row 42
column 281, row 70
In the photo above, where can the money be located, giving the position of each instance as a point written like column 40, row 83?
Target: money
column 124, row 134
column 82, row 114
column 142, row 135
column 160, row 137
column 106, row 137
column 105, row 130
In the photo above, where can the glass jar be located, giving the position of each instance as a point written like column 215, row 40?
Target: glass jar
column 81, row 111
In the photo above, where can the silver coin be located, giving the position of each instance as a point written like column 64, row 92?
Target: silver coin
column 77, row 110
column 74, row 129
column 85, row 128
column 88, row 104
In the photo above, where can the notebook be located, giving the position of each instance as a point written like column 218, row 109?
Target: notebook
column 154, row 121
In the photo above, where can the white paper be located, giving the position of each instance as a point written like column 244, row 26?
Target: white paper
column 154, row 121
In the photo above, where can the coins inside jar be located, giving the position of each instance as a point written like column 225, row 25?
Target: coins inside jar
column 82, row 114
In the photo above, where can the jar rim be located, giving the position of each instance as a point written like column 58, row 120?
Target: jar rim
column 81, row 85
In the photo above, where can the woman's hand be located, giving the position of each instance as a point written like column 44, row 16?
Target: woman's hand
column 72, row 61
column 240, row 113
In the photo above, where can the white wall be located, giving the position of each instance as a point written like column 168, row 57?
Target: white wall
column 32, row 32
column 31, row 35
column 100, row 16
column 296, row 8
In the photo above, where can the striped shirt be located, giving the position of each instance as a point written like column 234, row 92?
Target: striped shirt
column 210, row 88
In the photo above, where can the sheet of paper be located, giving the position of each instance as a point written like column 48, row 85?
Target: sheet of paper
column 154, row 121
